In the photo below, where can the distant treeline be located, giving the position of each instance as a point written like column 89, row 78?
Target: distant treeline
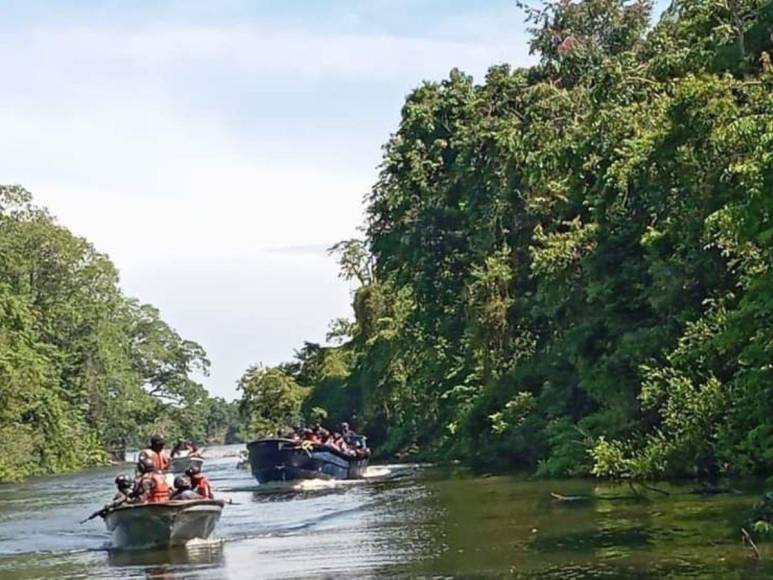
column 568, row 266
column 84, row 370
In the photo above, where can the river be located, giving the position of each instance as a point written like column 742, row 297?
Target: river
column 402, row 520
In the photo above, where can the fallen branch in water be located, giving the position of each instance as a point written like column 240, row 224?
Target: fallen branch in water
column 747, row 539
column 635, row 492
column 559, row 497
column 574, row 498
column 652, row 488
column 711, row 489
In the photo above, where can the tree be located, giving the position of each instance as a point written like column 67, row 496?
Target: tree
column 271, row 399
column 355, row 261
column 568, row 266
column 84, row 370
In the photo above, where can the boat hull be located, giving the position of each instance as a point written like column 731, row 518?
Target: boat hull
column 162, row 524
column 283, row 460
column 180, row 464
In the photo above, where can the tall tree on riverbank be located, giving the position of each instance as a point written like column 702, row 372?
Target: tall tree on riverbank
column 570, row 264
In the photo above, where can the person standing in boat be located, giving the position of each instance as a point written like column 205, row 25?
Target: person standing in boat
column 200, row 482
column 151, row 486
column 156, row 453
column 179, row 447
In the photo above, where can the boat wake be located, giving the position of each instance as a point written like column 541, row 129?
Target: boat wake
column 378, row 472
column 204, row 543
column 322, row 484
column 373, row 473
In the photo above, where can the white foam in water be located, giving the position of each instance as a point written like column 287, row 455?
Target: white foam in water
column 371, row 473
column 203, row 543
column 317, row 484
column 377, row 471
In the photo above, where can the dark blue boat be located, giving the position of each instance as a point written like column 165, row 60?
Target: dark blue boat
column 286, row 460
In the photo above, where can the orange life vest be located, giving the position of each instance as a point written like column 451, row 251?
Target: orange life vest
column 203, row 487
column 159, row 492
column 160, row 460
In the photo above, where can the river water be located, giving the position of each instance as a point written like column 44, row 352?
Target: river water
column 402, row 520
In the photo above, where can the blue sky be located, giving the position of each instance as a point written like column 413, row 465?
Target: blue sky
column 214, row 149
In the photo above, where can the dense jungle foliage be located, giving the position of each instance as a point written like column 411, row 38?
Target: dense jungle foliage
column 84, row 370
column 569, row 266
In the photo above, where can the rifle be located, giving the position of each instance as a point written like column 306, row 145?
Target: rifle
column 100, row 513
column 103, row 512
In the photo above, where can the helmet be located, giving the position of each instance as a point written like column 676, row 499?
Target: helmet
column 157, row 440
column 144, row 455
column 193, row 470
column 123, row 481
column 145, row 464
column 182, row 482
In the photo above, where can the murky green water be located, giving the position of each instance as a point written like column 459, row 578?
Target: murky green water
column 402, row 521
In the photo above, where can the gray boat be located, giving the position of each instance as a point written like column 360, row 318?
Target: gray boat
column 165, row 524
column 180, row 464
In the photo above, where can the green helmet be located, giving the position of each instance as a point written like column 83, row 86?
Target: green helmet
column 193, row 470
column 123, row 482
column 182, row 482
column 145, row 464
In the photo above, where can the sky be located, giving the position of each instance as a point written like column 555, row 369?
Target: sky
column 214, row 150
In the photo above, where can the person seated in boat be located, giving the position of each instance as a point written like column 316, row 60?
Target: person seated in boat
column 310, row 436
column 200, row 482
column 194, row 451
column 344, row 445
column 156, row 453
column 183, row 489
column 151, row 487
column 289, row 433
column 327, row 440
column 340, row 443
column 350, row 436
column 123, row 485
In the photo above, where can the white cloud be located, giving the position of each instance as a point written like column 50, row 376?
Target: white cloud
column 188, row 153
column 83, row 59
